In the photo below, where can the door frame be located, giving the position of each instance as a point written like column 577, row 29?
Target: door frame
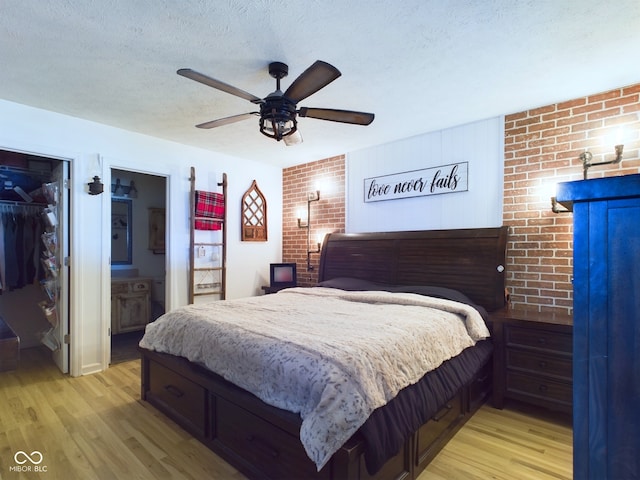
column 108, row 166
column 68, row 359
column 61, row 357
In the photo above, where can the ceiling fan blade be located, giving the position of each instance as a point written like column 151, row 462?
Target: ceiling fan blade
column 226, row 120
column 317, row 76
column 212, row 82
column 343, row 116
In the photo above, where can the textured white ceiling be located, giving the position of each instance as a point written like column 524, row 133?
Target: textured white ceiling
column 419, row 65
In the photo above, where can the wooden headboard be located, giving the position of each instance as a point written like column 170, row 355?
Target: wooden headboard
column 469, row 260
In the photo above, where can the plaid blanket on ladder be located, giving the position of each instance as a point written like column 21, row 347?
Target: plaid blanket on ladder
column 209, row 212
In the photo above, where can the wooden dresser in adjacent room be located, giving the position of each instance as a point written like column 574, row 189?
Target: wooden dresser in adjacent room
column 533, row 359
column 130, row 304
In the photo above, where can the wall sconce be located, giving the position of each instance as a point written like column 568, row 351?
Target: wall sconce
column 306, row 223
column 133, row 191
column 119, row 190
column 96, row 187
column 550, row 190
column 303, row 219
column 587, row 156
column 557, row 208
column 116, row 189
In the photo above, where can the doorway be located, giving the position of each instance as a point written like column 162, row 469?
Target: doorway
column 34, row 239
column 138, row 273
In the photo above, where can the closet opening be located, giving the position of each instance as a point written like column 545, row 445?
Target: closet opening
column 34, row 251
column 138, row 273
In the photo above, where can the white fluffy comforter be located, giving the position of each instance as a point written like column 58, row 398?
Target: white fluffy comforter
column 330, row 355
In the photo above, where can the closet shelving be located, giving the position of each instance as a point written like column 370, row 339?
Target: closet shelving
column 51, row 264
column 208, row 238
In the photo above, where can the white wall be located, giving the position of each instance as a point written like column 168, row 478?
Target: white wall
column 481, row 144
column 94, row 149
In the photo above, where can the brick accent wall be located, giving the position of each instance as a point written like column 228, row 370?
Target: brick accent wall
column 327, row 214
column 542, row 147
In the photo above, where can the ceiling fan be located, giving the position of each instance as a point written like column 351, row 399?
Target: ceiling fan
column 278, row 110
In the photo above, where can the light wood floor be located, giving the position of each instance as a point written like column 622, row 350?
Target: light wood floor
column 514, row 443
column 96, row 427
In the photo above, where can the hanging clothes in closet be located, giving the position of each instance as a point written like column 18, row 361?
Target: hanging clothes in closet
column 28, row 242
column 21, row 228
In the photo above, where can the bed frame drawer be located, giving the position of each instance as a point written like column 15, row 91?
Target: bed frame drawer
column 440, row 425
column 481, row 387
column 280, row 454
column 180, row 398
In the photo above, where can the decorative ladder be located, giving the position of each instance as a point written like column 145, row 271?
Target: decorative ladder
column 218, row 273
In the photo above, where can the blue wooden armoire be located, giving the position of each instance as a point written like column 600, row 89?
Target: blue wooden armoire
column 606, row 326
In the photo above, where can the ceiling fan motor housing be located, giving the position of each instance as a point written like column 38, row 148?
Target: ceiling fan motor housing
column 278, row 117
column 278, row 70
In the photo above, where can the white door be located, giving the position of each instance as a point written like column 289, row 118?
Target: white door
column 61, row 331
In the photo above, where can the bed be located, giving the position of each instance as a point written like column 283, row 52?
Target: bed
column 415, row 410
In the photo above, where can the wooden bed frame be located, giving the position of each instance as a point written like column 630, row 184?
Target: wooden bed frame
column 262, row 441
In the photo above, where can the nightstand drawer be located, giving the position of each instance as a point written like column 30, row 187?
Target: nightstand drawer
column 539, row 388
column 538, row 339
column 553, row 366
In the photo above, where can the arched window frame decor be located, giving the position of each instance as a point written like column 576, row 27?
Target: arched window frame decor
column 254, row 215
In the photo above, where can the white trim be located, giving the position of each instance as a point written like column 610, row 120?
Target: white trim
column 74, row 303
column 90, row 369
column 109, row 164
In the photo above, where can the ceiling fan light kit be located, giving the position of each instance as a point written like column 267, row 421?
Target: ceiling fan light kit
column 278, row 111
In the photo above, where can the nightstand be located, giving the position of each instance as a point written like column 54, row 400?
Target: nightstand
column 533, row 360
column 267, row 289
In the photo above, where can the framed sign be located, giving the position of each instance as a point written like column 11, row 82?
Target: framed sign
column 157, row 221
column 121, row 229
column 418, row 183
